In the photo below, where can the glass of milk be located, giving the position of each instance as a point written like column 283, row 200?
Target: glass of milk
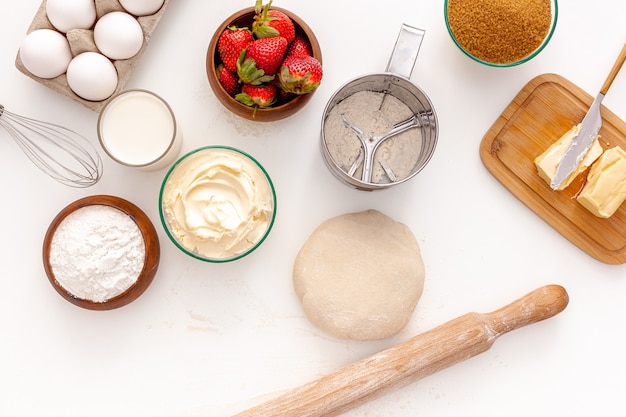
column 137, row 128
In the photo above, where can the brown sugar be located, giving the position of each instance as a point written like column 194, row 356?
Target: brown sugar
column 499, row 31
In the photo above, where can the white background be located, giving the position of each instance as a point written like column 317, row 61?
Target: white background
column 211, row 340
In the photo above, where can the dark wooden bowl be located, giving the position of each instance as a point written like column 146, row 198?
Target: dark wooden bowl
column 245, row 18
column 151, row 262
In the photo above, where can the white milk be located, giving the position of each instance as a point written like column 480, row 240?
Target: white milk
column 138, row 128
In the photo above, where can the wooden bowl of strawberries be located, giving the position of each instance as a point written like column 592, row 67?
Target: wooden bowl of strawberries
column 264, row 63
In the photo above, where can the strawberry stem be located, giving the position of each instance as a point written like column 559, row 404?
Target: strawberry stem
column 248, row 71
column 260, row 26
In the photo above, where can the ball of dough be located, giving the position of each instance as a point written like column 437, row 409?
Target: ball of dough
column 359, row 276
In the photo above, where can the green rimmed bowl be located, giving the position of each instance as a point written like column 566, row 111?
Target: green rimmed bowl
column 479, row 29
column 217, row 204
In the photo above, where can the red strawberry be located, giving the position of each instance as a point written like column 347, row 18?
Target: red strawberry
column 257, row 96
column 231, row 42
column 300, row 74
column 283, row 97
column 269, row 23
column 259, row 62
column 299, row 46
column 228, row 80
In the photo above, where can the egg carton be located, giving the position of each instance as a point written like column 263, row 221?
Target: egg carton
column 82, row 40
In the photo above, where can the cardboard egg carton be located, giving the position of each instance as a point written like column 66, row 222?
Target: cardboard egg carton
column 82, row 40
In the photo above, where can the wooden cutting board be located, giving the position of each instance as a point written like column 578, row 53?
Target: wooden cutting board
column 542, row 111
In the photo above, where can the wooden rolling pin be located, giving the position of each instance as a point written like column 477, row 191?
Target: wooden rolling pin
column 408, row 361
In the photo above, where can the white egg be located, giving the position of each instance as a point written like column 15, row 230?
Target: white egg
column 142, row 7
column 118, row 35
column 45, row 53
column 92, row 76
column 66, row 15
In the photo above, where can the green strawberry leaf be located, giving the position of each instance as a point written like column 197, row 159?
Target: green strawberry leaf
column 249, row 73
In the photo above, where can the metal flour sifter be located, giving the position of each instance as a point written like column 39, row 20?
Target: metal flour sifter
column 372, row 157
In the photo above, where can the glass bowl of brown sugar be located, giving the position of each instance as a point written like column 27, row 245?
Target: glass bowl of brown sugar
column 501, row 33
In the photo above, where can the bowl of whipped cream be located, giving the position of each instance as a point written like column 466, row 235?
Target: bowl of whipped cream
column 217, row 204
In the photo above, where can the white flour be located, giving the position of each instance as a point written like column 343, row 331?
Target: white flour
column 374, row 113
column 97, row 252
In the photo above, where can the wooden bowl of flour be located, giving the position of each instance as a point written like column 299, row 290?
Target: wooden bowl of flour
column 101, row 252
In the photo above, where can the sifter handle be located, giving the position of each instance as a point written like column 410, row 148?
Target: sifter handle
column 405, row 51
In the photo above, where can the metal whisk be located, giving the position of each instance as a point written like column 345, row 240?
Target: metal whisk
column 63, row 154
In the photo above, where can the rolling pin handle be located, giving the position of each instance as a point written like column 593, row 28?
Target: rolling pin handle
column 538, row 305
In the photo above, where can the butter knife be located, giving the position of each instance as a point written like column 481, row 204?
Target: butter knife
column 590, row 126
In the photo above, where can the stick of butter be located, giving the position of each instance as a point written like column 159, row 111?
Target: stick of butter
column 548, row 162
column 605, row 189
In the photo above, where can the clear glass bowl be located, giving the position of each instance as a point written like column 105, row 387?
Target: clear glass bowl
column 526, row 58
column 217, row 204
